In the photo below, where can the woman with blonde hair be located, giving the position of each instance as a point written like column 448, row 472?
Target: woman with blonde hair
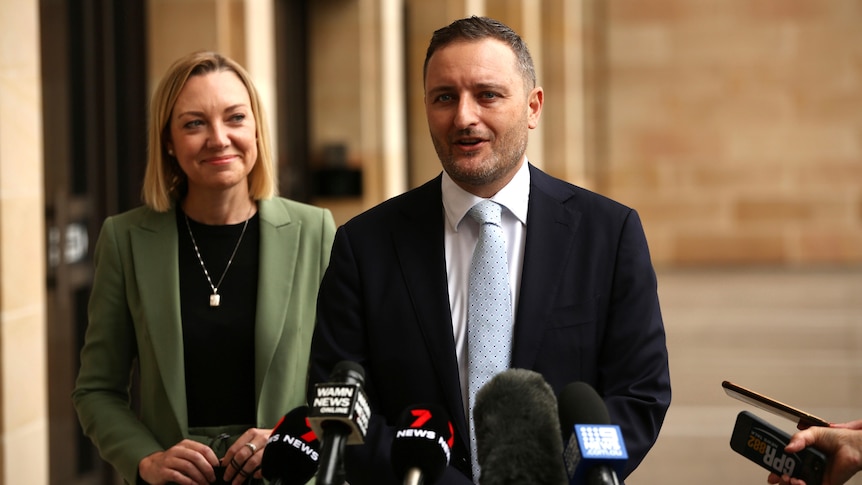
column 208, row 289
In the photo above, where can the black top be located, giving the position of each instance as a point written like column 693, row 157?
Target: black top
column 219, row 341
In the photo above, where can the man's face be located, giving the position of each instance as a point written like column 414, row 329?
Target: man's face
column 479, row 112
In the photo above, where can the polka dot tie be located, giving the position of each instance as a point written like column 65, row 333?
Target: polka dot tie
column 489, row 312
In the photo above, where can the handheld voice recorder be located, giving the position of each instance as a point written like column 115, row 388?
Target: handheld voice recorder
column 764, row 444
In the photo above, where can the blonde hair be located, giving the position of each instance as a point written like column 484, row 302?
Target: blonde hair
column 164, row 181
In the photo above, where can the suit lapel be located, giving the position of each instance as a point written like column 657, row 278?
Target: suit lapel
column 420, row 252
column 551, row 227
column 159, row 288
column 279, row 239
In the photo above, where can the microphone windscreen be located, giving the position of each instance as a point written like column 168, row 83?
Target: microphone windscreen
column 579, row 403
column 518, row 431
column 292, row 451
column 423, row 440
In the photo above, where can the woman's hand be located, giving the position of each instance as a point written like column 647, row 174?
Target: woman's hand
column 842, row 444
column 243, row 458
column 186, row 463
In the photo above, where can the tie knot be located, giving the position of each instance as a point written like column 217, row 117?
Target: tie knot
column 486, row 211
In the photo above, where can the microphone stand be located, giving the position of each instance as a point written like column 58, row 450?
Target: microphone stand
column 602, row 475
column 414, row 477
column 331, row 454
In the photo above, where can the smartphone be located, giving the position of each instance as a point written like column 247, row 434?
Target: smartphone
column 801, row 418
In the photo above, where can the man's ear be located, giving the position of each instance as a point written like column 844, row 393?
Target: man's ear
column 535, row 100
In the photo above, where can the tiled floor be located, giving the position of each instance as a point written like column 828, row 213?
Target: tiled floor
column 795, row 335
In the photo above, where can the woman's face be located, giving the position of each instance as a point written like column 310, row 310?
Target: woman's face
column 213, row 133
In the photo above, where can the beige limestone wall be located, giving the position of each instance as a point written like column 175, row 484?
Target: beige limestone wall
column 240, row 29
column 23, row 388
column 735, row 127
column 177, row 27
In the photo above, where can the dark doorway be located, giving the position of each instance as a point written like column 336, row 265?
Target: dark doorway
column 291, row 41
column 94, row 118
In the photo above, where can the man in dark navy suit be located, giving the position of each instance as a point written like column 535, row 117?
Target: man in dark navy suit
column 584, row 295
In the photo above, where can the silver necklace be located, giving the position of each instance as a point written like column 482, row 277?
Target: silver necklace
column 215, row 298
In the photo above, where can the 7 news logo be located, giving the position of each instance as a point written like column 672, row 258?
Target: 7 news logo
column 422, row 427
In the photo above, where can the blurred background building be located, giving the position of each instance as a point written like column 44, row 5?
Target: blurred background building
column 733, row 126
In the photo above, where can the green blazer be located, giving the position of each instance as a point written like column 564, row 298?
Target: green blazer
column 134, row 313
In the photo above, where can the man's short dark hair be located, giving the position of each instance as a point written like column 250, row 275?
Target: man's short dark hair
column 477, row 28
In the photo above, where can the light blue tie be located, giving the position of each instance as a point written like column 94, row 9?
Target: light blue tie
column 489, row 312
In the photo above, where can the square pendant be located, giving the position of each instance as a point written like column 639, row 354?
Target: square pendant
column 215, row 299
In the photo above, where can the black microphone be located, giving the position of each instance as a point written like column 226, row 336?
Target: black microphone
column 291, row 453
column 339, row 416
column 595, row 453
column 517, row 431
column 422, row 444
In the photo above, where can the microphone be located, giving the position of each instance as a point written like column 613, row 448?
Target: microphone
column 339, row 416
column 422, row 444
column 517, row 431
column 595, row 453
column 291, row 453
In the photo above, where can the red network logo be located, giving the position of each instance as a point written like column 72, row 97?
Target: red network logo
column 423, row 416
